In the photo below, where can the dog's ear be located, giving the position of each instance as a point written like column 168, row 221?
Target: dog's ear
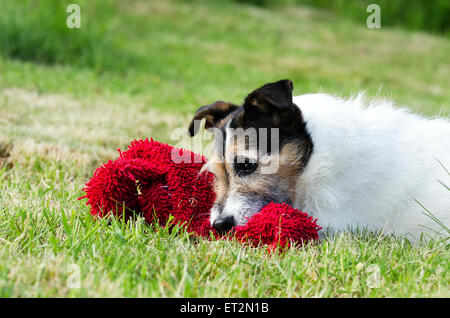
column 213, row 114
column 271, row 106
column 270, row 97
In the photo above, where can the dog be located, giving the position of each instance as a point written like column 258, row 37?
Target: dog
column 351, row 164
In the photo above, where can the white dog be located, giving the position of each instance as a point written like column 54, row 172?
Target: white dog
column 350, row 165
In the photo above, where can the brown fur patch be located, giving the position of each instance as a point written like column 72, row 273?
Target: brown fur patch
column 222, row 182
column 277, row 186
column 213, row 114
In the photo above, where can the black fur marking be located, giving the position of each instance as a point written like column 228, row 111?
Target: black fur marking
column 277, row 94
column 269, row 106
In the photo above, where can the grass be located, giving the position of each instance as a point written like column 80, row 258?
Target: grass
column 140, row 69
column 429, row 15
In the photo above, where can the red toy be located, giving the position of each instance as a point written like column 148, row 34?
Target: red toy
column 145, row 180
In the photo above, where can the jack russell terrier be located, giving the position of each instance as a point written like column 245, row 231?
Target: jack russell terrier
column 349, row 164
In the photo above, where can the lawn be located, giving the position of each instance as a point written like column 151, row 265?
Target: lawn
column 70, row 97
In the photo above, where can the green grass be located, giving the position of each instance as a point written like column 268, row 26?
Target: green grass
column 136, row 69
column 427, row 15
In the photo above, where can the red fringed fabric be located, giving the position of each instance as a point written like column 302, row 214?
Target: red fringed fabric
column 278, row 225
column 157, row 180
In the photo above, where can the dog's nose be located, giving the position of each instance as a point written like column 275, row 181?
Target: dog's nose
column 224, row 225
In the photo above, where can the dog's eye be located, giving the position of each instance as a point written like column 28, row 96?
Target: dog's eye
column 244, row 166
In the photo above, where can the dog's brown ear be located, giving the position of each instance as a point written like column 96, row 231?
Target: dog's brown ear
column 276, row 95
column 213, row 114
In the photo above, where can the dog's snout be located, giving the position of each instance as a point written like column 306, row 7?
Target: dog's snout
column 224, row 225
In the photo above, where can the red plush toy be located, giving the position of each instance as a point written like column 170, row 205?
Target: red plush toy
column 145, row 180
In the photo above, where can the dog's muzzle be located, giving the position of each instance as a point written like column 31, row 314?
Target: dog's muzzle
column 224, row 225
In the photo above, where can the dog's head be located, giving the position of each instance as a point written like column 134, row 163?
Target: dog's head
column 260, row 148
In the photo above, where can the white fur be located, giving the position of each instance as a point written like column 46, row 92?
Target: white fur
column 369, row 165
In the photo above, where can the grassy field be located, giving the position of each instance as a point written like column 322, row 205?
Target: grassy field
column 136, row 69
